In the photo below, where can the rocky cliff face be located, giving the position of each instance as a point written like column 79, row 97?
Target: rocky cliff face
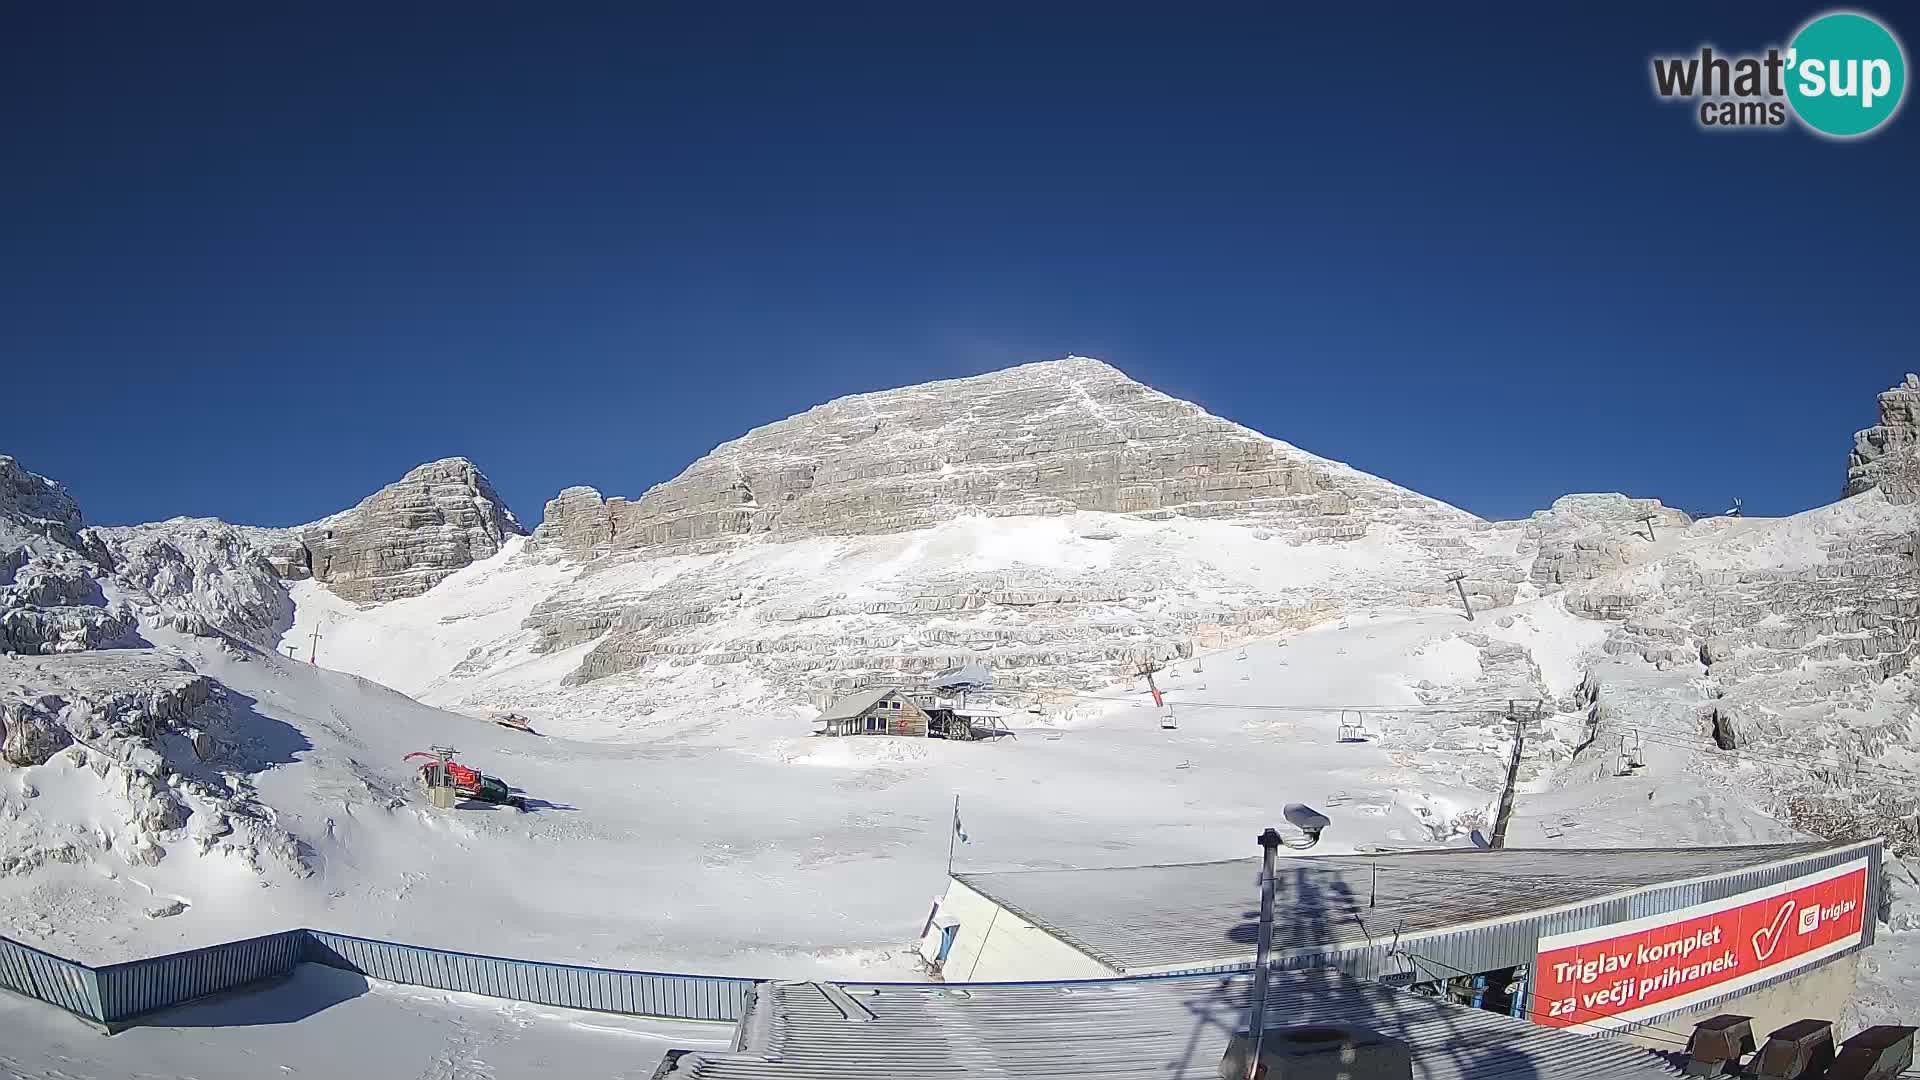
column 1056, row 520
column 50, row 599
column 1887, row 455
column 400, row 541
column 204, row 572
column 1785, row 655
column 1587, row 536
column 33, row 502
column 405, row 538
column 1039, row 439
column 76, row 677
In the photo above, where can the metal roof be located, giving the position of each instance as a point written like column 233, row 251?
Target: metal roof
column 1194, row 915
column 1115, row 1029
column 853, row 706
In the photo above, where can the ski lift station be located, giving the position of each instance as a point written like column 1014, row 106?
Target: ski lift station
column 1592, row 940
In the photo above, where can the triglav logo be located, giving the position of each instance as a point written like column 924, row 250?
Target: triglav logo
column 1843, row 75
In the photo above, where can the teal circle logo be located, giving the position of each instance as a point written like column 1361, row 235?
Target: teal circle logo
column 1846, row 74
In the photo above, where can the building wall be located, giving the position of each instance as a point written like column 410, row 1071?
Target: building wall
column 911, row 719
column 1820, row 994
column 995, row 945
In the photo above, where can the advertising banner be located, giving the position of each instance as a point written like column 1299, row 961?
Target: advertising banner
column 1612, row 975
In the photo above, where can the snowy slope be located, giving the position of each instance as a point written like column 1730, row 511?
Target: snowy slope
column 751, row 848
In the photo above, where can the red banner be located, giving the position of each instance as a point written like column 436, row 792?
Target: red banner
column 1611, row 975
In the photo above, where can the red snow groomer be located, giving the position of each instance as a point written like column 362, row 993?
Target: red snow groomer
column 470, row 783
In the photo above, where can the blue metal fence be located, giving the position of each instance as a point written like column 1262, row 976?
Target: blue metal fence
column 49, row 978
column 641, row 993
column 117, row 993
column 158, row 982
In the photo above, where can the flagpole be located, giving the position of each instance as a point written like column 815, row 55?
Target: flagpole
column 953, row 830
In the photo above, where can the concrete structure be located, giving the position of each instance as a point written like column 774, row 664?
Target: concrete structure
column 1598, row 940
column 1166, row 1027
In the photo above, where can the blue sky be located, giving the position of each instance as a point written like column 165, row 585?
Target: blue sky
column 256, row 263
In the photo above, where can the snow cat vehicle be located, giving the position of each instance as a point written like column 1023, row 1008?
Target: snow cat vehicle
column 468, row 783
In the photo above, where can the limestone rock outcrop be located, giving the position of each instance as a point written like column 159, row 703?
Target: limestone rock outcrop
column 204, row 573
column 1039, row 439
column 50, row 598
column 1887, row 455
column 1792, row 642
column 407, row 537
column 31, row 731
column 36, row 503
column 1585, row 536
column 870, row 539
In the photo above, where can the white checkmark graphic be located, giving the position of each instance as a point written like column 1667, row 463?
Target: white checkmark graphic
column 1771, row 934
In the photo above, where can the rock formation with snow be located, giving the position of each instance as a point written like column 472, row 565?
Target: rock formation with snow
column 50, row 600
column 1588, row 536
column 1887, row 455
column 205, row 573
column 407, row 537
column 76, row 679
column 1057, row 520
column 1035, row 440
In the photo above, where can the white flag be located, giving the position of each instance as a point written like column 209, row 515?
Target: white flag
column 957, row 830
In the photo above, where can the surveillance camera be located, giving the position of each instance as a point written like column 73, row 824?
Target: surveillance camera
column 1306, row 818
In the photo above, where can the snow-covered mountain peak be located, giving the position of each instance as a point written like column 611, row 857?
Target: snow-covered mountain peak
column 1060, row 437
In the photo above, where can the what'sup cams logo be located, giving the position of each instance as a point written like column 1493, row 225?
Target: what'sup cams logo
column 1842, row 76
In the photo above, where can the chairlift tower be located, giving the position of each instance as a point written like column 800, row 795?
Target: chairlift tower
column 1458, row 579
column 1521, row 722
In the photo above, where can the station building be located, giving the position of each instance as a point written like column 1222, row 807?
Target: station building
column 1595, row 941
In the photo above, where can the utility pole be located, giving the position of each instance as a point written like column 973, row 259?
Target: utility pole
column 313, row 649
column 1649, row 522
column 289, row 649
column 1519, row 723
column 1458, row 579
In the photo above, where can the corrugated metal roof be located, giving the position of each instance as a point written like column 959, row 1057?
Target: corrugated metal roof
column 852, row 706
column 1140, row 918
column 1147, row 1028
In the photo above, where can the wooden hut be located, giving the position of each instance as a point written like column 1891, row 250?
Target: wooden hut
column 881, row 710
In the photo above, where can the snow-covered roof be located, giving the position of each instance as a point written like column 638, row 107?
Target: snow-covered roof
column 853, row 706
column 1141, row 919
column 971, row 676
column 1175, row 1027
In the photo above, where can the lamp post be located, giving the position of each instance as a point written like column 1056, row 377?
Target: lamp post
column 1310, row 822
